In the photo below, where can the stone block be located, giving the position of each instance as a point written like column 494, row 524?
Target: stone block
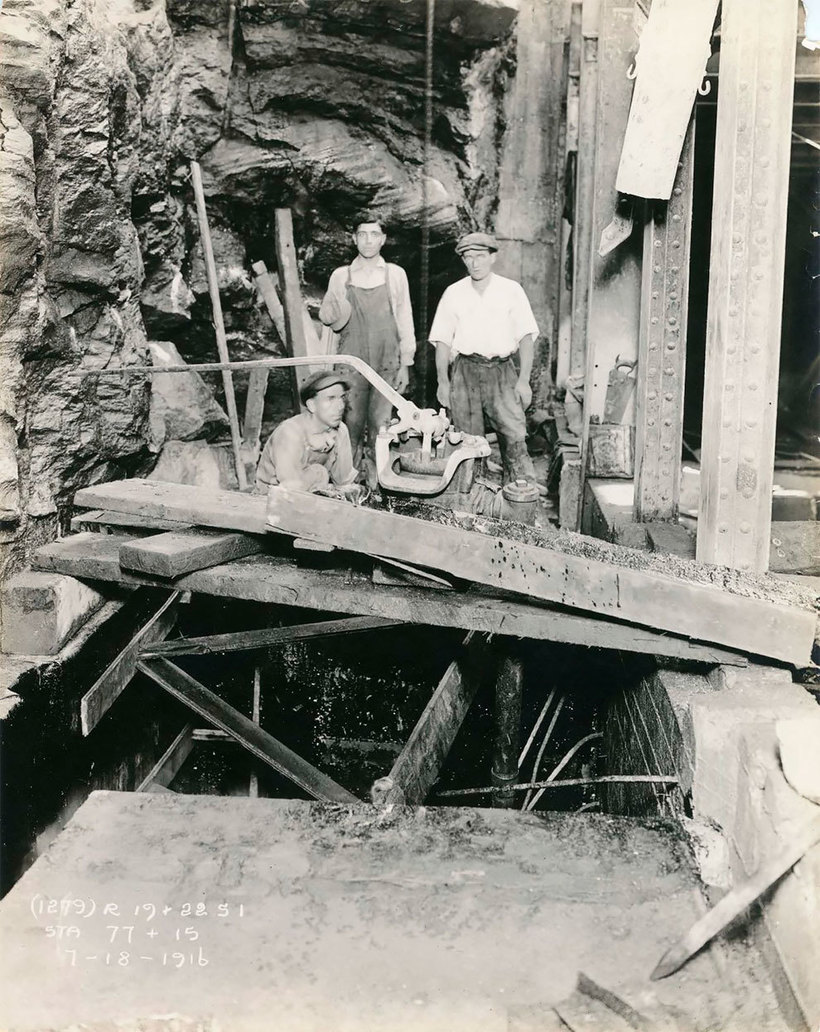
column 41, row 611
column 197, row 463
column 754, row 695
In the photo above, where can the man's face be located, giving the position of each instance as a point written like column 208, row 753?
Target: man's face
column 328, row 406
column 369, row 239
column 479, row 262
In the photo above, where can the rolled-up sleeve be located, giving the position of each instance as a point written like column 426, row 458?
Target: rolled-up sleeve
column 445, row 322
column 523, row 320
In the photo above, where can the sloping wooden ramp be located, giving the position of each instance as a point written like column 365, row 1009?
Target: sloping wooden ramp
column 754, row 615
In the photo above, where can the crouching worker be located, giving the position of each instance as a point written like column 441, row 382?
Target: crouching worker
column 311, row 451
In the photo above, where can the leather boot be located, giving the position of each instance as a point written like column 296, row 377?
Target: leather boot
column 517, row 463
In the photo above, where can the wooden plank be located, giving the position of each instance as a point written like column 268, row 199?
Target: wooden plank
column 267, row 289
column 219, row 325
column 267, row 637
column 295, row 338
column 167, row 767
column 250, row 736
column 254, row 410
column 417, row 767
column 644, row 596
column 280, row 582
column 117, row 675
column 172, row 554
column 670, row 65
column 100, row 518
column 662, row 347
column 746, row 268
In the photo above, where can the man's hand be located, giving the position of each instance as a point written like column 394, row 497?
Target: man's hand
column 523, row 392
column 403, row 379
column 443, row 393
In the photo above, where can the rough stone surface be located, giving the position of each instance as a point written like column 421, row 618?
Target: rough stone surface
column 182, row 406
column 197, row 463
column 40, row 611
column 103, row 104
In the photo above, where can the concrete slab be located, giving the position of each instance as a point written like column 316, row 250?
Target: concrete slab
column 279, row 914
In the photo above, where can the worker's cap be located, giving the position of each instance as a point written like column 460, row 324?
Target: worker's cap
column 476, row 241
column 319, row 381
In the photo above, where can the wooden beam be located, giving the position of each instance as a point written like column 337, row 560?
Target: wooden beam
column 508, row 695
column 671, row 603
column 254, row 410
column 219, row 325
column 662, row 346
column 585, row 187
column 417, row 767
column 295, row 338
column 752, row 154
column 172, row 554
column 254, row 406
column 267, row 637
column 615, row 279
column 100, row 519
column 117, row 675
column 249, row 735
column 167, row 767
column 278, row 581
column 530, row 182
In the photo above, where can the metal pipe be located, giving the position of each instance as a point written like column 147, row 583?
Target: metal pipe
column 508, row 691
column 607, row 779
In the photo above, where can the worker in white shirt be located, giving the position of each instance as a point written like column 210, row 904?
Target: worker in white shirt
column 368, row 305
column 481, row 322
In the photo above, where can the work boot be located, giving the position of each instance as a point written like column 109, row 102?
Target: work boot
column 517, row 463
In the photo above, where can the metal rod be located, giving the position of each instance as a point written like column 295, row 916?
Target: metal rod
column 219, row 326
column 404, row 407
column 424, row 291
column 607, row 779
column 563, row 762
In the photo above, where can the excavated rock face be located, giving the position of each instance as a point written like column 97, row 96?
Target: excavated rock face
column 317, row 105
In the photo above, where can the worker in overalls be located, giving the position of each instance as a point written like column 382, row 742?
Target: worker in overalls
column 367, row 307
column 481, row 323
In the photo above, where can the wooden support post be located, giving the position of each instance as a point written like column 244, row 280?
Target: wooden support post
column 615, row 279
column 177, row 552
column 167, row 767
column 530, row 194
column 251, row 737
column 568, row 223
column 752, row 155
column 662, row 346
column 256, row 707
column 258, row 384
column 117, row 675
column 418, row 766
column 219, row 325
column 585, row 185
column 508, row 691
column 295, row 338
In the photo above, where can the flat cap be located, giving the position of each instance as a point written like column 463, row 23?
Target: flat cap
column 476, row 240
column 318, row 381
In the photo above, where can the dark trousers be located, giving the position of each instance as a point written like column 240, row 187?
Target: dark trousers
column 482, row 394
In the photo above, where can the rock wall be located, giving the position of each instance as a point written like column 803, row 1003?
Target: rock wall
column 313, row 104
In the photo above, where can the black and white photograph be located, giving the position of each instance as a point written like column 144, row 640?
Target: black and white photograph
column 409, row 541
